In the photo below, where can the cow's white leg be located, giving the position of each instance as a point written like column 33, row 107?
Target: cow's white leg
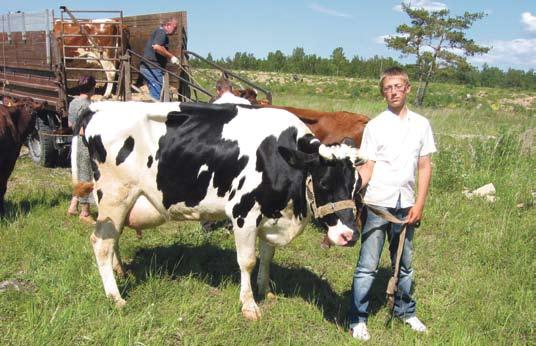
column 113, row 209
column 245, row 252
column 266, row 253
column 103, row 240
column 110, row 76
column 106, row 65
column 117, row 264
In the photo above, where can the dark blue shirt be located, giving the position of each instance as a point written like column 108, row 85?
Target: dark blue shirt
column 160, row 38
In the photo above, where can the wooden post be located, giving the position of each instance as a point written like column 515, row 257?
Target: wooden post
column 164, row 94
column 127, row 76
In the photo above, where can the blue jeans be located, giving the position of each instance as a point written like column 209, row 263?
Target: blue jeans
column 375, row 229
column 154, row 78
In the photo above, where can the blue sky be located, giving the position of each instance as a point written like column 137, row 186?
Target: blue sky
column 223, row 27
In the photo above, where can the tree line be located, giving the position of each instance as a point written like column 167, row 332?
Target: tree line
column 437, row 40
column 338, row 65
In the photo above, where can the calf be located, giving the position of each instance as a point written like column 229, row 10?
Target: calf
column 184, row 161
column 16, row 123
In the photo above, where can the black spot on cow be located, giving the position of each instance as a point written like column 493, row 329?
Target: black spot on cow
column 96, row 148
column 242, row 208
column 240, row 222
column 149, row 161
column 193, row 138
column 258, row 221
column 241, row 183
column 125, row 150
column 232, row 194
column 95, row 169
column 99, row 195
column 281, row 183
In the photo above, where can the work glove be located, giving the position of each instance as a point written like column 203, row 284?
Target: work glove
column 174, row 60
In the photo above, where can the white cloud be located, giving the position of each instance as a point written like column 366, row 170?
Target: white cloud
column 328, row 11
column 518, row 53
column 529, row 20
column 428, row 5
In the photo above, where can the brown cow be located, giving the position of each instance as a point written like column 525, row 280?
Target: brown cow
column 95, row 46
column 328, row 127
column 331, row 127
column 16, row 123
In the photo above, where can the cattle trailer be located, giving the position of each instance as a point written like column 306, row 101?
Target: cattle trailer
column 37, row 62
column 33, row 64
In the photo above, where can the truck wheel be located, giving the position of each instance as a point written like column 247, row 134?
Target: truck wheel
column 49, row 155
column 34, row 147
column 41, row 145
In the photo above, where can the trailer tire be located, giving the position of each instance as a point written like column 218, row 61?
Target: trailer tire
column 34, row 147
column 41, row 145
column 49, row 155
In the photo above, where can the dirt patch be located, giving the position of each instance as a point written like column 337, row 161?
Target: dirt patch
column 526, row 101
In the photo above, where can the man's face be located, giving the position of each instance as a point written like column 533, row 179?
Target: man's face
column 395, row 89
column 170, row 28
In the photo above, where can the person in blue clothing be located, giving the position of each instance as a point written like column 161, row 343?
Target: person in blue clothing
column 157, row 51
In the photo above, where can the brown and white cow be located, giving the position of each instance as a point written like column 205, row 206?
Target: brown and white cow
column 16, row 123
column 96, row 43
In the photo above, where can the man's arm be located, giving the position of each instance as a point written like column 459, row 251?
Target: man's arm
column 423, row 184
column 365, row 172
column 163, row 51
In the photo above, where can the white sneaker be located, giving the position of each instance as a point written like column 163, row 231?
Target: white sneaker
column 415, row 324
column 359, row 331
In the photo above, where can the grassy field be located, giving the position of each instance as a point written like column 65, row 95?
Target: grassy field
column 475, row 261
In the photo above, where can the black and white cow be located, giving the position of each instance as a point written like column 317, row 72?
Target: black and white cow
column 187, row 161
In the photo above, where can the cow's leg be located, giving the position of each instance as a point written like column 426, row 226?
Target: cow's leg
column 116, row 261
column 110, row 76
column 113, row 209
column 263, row 277
column 245, row 252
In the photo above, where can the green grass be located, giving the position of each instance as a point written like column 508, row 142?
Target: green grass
column 475, row 262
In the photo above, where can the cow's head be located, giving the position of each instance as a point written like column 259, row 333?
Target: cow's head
column 334, row 183
column 25, row 113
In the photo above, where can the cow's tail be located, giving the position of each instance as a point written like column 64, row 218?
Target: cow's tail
column 82, row 189
column 83, row 119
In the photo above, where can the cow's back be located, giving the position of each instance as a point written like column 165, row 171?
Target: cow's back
column 209, row 157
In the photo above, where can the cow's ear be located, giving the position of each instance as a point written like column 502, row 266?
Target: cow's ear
column 296, row 158
column 308, row 144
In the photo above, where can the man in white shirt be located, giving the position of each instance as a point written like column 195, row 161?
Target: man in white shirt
column 224, row 89
column 397, row 144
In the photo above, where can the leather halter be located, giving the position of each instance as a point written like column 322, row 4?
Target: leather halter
column 329, row 208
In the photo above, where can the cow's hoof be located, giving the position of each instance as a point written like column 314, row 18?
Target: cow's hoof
column 251, row 314
column 271, row 296
column 120, row 303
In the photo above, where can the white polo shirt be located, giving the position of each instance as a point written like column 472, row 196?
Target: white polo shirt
column 395, row 145
column 228, row 97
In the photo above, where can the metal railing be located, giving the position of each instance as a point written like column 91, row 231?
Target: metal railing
column 267, row 93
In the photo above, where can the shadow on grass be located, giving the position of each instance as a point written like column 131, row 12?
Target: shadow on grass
column 214, row 265
column 15, row 209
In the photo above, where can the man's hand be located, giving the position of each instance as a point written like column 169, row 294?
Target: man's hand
column 414, row 214
column 174, row 60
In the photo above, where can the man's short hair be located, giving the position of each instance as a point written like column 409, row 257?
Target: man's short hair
column 86, row 84
column 224, row 84
column 170, row 20
column 394, row 71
